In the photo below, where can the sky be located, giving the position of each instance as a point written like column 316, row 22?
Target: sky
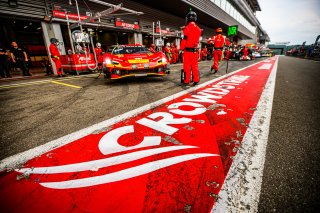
column 293, row 21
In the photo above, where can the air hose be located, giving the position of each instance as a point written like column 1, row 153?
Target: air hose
column 94, row 53
column 95, row 56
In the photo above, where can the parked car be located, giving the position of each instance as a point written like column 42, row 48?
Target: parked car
column 256, row 55
column 122, row 61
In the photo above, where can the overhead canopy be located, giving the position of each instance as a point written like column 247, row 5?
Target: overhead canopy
column 255, row 5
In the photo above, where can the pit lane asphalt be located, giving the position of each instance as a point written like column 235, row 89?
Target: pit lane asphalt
column 291, row 180
column 35, row 112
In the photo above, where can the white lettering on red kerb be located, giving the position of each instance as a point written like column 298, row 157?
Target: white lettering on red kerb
column 161, row 122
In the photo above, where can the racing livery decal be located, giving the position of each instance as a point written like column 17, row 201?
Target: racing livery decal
column 172, row 157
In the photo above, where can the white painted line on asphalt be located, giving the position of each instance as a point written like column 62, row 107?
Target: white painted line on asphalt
column 199, row 62
column 241, row 189
column 43, row 81
column 16, row 160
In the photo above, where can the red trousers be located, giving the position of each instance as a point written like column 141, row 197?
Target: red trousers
column 190, row 62
column 245, row 54
column 57, row 62
column 217, row 55
column 174, row 59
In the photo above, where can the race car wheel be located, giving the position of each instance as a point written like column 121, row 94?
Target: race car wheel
column 108, row 75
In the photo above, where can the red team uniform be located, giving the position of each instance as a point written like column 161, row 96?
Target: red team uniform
column 99, row 55
column 176, row 52
column 204, row 54
column 152, row 48
column 173, row 54
column 189, row 44
column 167, row 51
column 218, row 41
column 55, row 55
column 245, row 53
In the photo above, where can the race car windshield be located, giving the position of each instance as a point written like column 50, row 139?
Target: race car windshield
column 130, row 50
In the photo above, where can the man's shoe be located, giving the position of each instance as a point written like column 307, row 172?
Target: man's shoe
column 185, row 86
column 215, row 71
column 211, row 69
column 195, row 83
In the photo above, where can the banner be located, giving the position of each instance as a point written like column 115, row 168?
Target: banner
column 73, row 16
column 120, row 23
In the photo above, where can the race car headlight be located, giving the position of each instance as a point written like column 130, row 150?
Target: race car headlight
column 164, row 60
column 108, row 61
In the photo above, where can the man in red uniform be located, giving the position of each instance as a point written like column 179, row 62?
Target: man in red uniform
column 167, row 51
column 245, row 53
column 189, row 44
column 152, row 48
column 98, row 52
column 218, row 42
column 176, row 52
column 173, row 54
column 204, row 53
column 55, row 55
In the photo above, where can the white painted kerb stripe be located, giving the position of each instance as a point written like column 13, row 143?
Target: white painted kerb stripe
column 98, row 164
column 241, row 189
column 126, row 173
column 16, row 160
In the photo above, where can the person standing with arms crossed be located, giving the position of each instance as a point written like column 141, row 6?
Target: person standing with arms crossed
column 20, row 58
column 189, row 46
column 218, row 42
column 55, row 55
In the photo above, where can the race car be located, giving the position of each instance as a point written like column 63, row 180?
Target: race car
column 122, row 61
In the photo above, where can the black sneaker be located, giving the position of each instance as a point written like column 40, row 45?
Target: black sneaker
column 195, row 83
column 185, row 86
column 211, row 69
column 215, row 71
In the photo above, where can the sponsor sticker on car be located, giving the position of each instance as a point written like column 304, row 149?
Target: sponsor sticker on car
column 138, row 61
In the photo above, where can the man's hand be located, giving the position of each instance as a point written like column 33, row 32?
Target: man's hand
column 56, row 57
column 14, row 61
column 209, row 41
